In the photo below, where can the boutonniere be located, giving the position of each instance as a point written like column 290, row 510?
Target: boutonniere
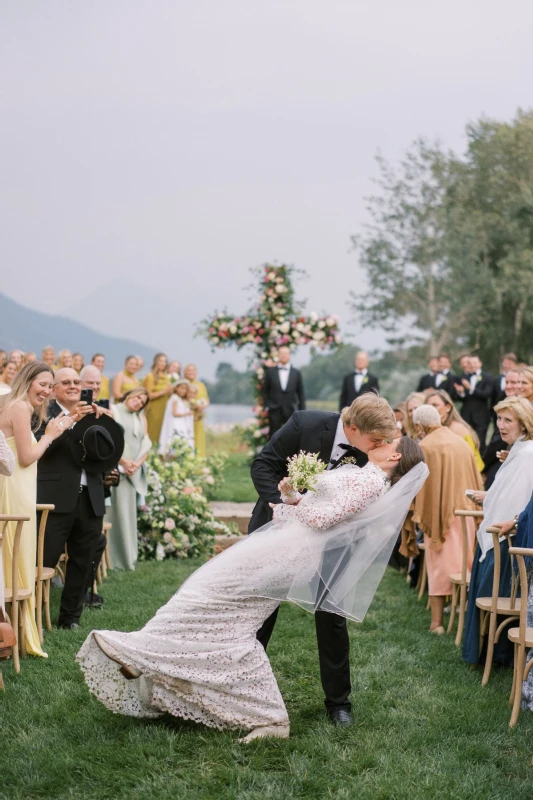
column 365, row 379
column 349, row 460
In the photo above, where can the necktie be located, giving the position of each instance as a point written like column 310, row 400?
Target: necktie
column 349, row 451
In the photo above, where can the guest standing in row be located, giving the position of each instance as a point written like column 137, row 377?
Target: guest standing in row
column 18, row 495
column 283, row 391
column 8, row 376
column 358, row 382
column 452, row 470
column 199, row 406
column 475, row 391
column 130, row 492
column 104, row 395
column 429, row 381
column 126, row 379
column 157, row 384
column 508, row 494
column 179, row 417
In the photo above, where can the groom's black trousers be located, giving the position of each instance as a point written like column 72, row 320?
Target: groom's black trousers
column 333, row 655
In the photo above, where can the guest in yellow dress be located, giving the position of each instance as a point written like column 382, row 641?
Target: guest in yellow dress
column 49, row 357
column 64, row 359
column 200, row 404
column 78, row 362
column 157, row 384
column 98, row 361
column 450, row 418
column 126, row 380
column 18, row 494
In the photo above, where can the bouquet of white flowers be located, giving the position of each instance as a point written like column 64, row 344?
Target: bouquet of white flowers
column 304, row 470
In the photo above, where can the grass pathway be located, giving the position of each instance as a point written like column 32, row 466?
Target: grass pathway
column 424, row 726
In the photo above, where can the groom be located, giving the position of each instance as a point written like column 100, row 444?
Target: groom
column 366, row 424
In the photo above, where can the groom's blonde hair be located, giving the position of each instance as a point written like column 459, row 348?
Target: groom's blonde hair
column 371, row 414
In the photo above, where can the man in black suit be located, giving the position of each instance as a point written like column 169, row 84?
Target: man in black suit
column 475, row 391
column 77, row 494
column 358, row 382
column 283, row 391
column 509, row 362
column 445, row 378
column 429, row 381
column 365, row 425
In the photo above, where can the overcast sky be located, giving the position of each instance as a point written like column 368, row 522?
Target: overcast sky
column 176, row 144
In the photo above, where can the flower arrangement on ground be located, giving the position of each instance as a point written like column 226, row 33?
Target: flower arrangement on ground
column 176, row 521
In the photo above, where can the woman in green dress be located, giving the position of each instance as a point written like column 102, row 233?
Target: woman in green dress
column 130, row 491
column 157, row 384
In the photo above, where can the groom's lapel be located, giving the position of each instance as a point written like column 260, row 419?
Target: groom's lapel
column 327, row 439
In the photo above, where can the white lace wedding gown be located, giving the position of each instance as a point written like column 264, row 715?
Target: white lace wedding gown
column 199, row 656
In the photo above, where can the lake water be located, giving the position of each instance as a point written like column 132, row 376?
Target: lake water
column 221, row 413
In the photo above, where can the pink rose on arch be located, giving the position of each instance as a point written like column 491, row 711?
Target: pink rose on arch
column 169, row 524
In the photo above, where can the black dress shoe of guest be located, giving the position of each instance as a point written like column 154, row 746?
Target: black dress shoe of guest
column 68, row 626
column 340, row 717
column 93, row 600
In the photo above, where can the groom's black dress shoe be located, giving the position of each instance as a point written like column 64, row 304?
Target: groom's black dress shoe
column 340, row 717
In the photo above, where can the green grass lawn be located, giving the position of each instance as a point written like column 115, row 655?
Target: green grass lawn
column 424, row 726
column 237, row 486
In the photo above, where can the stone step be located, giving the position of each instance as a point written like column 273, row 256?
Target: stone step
column 236, row 513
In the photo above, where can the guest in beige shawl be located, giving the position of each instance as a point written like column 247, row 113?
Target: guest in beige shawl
column 130, row 492
column 452, row 470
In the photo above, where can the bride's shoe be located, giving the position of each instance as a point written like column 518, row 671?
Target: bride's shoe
column 130, row 673
column 274, row 731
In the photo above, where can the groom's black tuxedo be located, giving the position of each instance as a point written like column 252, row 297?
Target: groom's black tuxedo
column 313, row 432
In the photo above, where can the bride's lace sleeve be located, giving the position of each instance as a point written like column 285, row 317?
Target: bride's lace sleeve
column 7, row 458
column 354, row 490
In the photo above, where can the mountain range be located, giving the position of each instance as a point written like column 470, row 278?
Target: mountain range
column 29, row 330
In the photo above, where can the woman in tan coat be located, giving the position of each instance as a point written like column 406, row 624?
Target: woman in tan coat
column 452, row 470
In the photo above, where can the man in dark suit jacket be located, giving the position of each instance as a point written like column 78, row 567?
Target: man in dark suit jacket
column 475, row 391
column 324, row 433
column 445, row 378
column 429, row 380
column 283, row 391
column 358, row 382
column 78, row 497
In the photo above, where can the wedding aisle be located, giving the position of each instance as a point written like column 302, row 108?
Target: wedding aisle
column 424, row 727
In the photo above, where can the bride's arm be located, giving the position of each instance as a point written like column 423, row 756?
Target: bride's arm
column 362, row 488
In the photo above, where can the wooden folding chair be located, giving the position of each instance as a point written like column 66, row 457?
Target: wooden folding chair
column 43, row 575
column 423, row 575
column 522, row 637
column 490, row 608
column 461, row 580
column 107, row 528
column 16, row 596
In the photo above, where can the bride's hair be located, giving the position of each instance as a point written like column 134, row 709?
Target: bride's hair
column 412, row 454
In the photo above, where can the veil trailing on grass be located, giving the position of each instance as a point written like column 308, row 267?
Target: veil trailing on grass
column 336, row 570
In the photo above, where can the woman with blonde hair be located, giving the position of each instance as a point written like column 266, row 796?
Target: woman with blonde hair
column 133, row 486
column 450, row 418
column 78, row 362
column 414, row 400
column 525, row 383
column 17, row 356
column 7, row 377
column 157, row 384
column 18, row 495
column 508, row 495
column 126, row 380
column 64, row 359
column 199, row 405
column 452, row 471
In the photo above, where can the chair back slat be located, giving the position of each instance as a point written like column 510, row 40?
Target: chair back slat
column 520, row 553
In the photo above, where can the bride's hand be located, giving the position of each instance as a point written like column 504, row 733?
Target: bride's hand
column 285, row 486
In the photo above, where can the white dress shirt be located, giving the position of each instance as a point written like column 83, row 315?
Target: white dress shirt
column 340, row 438
column 441, row 377
column 359, row 377
column 474, row 380
column 83, row 478
column 283, row 372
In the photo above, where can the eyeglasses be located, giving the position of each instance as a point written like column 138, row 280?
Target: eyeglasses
column 68, row 383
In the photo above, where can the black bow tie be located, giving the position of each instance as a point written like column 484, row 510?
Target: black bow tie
column 351, row 451
column 357, row 372
column 285, row 369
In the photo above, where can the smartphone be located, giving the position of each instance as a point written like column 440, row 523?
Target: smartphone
column 87, row 396
column 469, row 492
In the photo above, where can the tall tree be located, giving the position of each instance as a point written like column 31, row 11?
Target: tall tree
column 404, row 254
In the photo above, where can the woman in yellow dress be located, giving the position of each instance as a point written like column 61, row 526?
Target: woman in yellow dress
column 157, row 384
column 200, row 404
column 451, row 419
column 125, row 381
column 18, row 494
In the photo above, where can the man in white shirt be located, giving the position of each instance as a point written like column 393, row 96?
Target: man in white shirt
column 283, row 391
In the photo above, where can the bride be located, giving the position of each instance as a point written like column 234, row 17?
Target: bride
column 199, row 659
